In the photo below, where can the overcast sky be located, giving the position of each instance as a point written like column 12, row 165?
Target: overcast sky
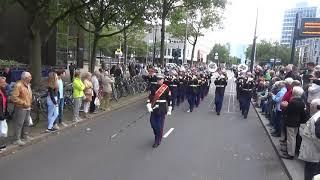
column 240, row 20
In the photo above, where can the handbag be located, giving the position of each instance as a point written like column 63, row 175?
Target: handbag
column 3, row 128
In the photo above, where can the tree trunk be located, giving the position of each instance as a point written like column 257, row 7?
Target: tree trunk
column 193, row 49
column 35, row 58
column 125, row 49
column 163, row 30
column 93, row 53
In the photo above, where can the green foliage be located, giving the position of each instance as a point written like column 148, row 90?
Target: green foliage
column 223, row 53
column 267, row 50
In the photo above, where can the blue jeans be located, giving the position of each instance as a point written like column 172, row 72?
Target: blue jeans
column 61, row 106
column 53, row 112
column 218, row 101
column 277, row 122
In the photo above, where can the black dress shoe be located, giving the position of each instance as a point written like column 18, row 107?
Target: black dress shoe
column 282, row 141
column 155, row 145
column 275, row 135
column 218, row 113
column 286, row 156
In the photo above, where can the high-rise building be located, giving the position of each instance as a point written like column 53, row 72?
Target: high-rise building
column 290, row 18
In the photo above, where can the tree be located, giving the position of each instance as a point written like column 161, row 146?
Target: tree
column 223, row 53
column 43, row 13
column 113, row 15
column 167, row 7
column 270, row 50
column 201, row 17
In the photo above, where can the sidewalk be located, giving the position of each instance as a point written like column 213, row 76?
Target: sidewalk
column 294, row 168
column 38, row 132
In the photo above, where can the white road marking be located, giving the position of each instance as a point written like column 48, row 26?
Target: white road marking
column 230, row 99
column 168, row 133
column 113, row 136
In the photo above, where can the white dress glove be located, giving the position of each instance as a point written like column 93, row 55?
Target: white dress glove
column 169, row 110
column 149, row 107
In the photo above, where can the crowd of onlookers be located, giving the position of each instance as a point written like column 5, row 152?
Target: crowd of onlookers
column 91, row 93
column 290, row 98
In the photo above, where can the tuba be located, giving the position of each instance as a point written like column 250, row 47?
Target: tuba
column 212, row 67
column 243, row 68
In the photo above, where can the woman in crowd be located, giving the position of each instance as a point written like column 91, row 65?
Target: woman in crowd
column 88, row 92
column 52, row 101
column 96, row 87
column 310, row 145
column 78, row 88
column 107, row 82
column 61, row 74
column 3, row 107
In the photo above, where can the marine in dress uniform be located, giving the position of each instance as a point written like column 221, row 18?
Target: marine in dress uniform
column 159, row 105
column 220, row 83
column 173, row 86
column 198, row 96
column 192, row 91
column 152, row 80
column 247, row 89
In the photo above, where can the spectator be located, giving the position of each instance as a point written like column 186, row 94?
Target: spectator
column 78, row 94
column 310, row 145
column 278, row 115
column 22, row 99
column 294, row 113
column 313, row 90
column 7, row 75
column 88, row 93
column 96, row 87
column 107, row 82
column 118, row 72
column 52, row 101
column 61, row 74
column 71, row 70
column 3, row 107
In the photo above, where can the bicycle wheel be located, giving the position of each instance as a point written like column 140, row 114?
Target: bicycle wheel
column 35, row 115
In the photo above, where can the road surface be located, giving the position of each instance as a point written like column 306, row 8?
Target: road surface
column 117, row 146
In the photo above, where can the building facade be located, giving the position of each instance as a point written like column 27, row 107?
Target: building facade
column 289, row 22
column 153, row 38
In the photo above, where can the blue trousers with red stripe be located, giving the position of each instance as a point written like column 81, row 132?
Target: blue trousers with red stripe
column 157, row 124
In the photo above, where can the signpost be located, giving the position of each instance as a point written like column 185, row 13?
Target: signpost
column 309, row 28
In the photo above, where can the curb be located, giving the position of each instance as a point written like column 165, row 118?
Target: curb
column 273, row 145
column 12, row 149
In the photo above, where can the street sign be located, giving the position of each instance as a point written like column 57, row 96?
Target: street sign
column 118, row 52
column 310, row 28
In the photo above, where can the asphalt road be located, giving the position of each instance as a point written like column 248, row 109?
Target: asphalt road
column 202, row 146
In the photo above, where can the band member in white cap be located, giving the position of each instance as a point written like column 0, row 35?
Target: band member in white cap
column 159, row 105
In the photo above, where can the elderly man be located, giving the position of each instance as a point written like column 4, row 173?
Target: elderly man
column 278, row 115
column 295, row 113
column 22, row 98
column 310, row 145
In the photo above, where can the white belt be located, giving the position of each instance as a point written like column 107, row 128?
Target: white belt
column 173, row 85
column 193, row 85
column 247, row 89
column 154, row 83
column 161, row 101
column 219, row 85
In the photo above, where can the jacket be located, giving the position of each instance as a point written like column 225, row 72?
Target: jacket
column 107, row 83
column 78, row 88
column 22, row 95
column 220, row 84
column 313, row 92
column 295, row 112
column 3, row 107
column 310, row 145
column 278, row 98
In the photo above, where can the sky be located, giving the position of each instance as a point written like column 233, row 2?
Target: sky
column 239, row 23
